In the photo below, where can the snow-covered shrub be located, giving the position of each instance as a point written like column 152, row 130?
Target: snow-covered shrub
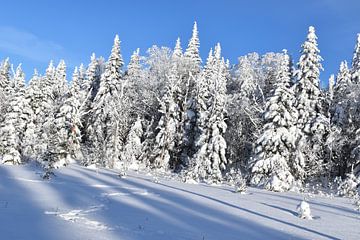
column 303, row 210
column 349, row 186
column 235, row 178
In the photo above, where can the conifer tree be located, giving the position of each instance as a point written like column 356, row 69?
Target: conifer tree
column 192, row 61
column 130, row 156
column 355, row 66
column 209, row 160
column 312, row 120
column 192, row 54
column 275, row 148
column 165, row 146
column 105, row 118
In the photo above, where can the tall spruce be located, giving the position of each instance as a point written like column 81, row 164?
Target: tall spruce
column 311, row 158
column 105, row 118
column 209, row 160
column 271, row 166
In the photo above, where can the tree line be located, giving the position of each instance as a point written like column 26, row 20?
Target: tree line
column 263, row 119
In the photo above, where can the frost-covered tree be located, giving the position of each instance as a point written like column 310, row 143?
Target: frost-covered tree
column 342, row 124
column 130, row 155
column 245, row 105
column 103, row 129
column 209, row 160
column 271, row 166
column 166, row 141
column 64, row 142
column 312, row 120
column 5, row 87
column 353, row 112
column 331, row 87
column 192, row 54
column 355, row 66
column 192, row 61
column 134, row 79
column 16, row 121
column 92, row 79
column 60, row 86
column 178, row 52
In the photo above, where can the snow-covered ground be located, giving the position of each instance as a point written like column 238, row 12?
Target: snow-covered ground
column 82, row 203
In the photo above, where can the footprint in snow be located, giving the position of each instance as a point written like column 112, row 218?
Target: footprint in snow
column 79, row 216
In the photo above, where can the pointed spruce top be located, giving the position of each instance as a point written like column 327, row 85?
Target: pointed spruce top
column 93, row 57
column 210, row 57
column 50, row 71
column 343, row 77
column 134, row 64
column 192, row 51
column 5, row 69
column 309, row 65
column 217, row 51
column 61, row 70
column 36, row 73
column 115, row 58
column 19, row 77
column 356, row 57
column 177, row 49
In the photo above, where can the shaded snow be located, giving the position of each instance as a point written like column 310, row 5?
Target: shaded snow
column 83, row 203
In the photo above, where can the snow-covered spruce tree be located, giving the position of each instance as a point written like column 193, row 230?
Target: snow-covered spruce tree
column 44, row 105
column 33, row 98
column 165, row 145
column 5, row 87
column 75, row 82
column 178, row 52
column 311, row 159
column 342, row 127
column 92, row 79
column 192, row 54
column 132, row 104
column 64, row 143
column 192, row 62
column 9, row 134
column 355, row 66
column 275, row 148
column 60, row 87
column 130, row 155
column 18, row 118
column 103, row 129
column 331, row 87
column 209, row 160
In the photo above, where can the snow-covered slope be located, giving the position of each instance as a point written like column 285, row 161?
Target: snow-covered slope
column 81, row 203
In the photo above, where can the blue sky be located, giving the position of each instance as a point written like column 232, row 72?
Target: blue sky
column 33, row 32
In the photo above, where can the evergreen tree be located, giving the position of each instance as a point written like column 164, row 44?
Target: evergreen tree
column 312, row 120
column 165, row 146
column 209, row 160
column 355, row 66
column 132, row 149
column 192, row 54
column 178, row 52
column 5, row 87
column 60, row 85
column 192, row 62
column 342, row 128
column 105, row 118
column 64, row 144
column 275, row 148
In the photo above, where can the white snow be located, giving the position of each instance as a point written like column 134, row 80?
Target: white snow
column 83, row 203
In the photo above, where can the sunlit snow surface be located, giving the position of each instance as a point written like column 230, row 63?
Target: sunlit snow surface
column 82, row 203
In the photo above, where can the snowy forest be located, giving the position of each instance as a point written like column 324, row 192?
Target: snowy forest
column 263, row 121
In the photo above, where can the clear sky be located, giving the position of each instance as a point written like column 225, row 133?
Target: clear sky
column 34, row 31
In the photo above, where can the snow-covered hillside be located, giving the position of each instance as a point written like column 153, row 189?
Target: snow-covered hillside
column 83, row 203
